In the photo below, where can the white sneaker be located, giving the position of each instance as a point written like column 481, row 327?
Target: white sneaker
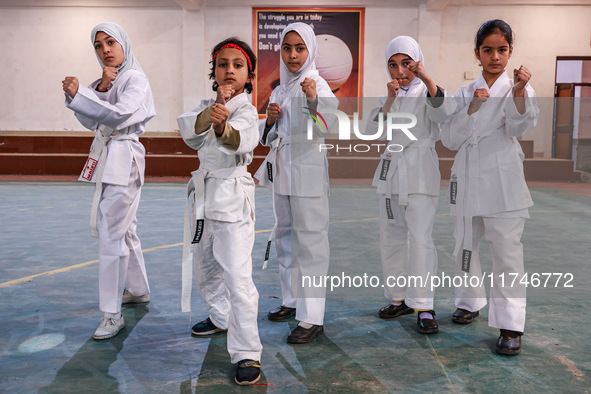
column 129, row 298
column 109, row 327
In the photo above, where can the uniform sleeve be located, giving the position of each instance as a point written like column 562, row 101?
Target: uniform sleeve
column 230, row 136
column 460, row 126
column 326, row 100
column 517, row 124
column 129, row 109
column 441, row 107
column 241, row 135
column 87, row 122
column 188, row 124
column 372, row 125
column 267, row 136
column 203, row 121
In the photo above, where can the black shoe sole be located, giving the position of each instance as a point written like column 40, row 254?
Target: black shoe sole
column 307, row 340
column 429, row 331
column 247, row 383
column 460, row 320
column 404, row 312
column 281, row 318
column 204, row 333
column 508, row 352
column 134, row 303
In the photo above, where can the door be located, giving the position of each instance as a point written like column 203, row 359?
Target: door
column 562, row 135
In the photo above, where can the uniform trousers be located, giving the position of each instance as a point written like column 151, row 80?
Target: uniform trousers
column 507, row 297
column 408, row 253
column 223, row 266
column 303, row 251
column 120, row 249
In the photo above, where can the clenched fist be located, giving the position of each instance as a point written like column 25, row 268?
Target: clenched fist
column 109, row 75
column 480, row 96
column 273, row 112
column 309, row 88
column 225, row 93
column 70, row 86
column 393, row 88
column 219, row 115
column 521, row 77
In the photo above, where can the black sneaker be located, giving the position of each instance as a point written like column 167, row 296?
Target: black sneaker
column 248, row 372
column 205, row 327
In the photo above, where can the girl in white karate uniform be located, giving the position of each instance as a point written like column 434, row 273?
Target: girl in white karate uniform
column 220, row 231
column 117, row 106
column 488, row 193
column 408, row 181
column 297, row 172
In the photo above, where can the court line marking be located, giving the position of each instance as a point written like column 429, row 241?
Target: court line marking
column 82, row 265
column 438, row 359
column 86, row 264
column 57, row 271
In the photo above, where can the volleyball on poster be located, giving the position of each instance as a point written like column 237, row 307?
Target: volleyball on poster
column 339, row 33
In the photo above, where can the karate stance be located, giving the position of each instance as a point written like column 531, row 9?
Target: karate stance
column 117, row 106
column 297, row 172
column 408, row 182
column 220, row 230
column 488, row 193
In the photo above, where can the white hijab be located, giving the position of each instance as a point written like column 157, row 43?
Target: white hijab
column 408, row 46
column 287, row 78
column 117, row 32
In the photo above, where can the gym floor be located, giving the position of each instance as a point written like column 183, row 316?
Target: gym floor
column 49, row 305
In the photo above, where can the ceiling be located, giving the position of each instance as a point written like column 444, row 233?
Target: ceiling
column 198, row 4
column 195, row 5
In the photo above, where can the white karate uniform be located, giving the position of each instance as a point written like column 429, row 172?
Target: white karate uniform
column 408, row 185
column 297, row 172
column 492, row 197
column 222, row 257
column 124, row 108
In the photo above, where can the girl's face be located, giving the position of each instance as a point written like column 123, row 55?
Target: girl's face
column 231, row 68
column 398, row 68
column 293, row 51
column 494, row 54
column 108, row 49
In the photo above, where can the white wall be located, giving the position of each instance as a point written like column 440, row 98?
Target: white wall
column 382, row 25
column 542, row 33
column 42, row 45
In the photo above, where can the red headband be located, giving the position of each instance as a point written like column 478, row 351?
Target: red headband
column 230, row 45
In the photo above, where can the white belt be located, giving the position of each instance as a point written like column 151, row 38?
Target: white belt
column 196, row 189
column 95, row 166
column 466, row 199
column 271, row 159
column 467, row 196
column 402, row 171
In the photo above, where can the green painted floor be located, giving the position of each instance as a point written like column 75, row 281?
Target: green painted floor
column 47, row 321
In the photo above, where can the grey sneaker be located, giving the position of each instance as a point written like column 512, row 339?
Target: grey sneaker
column 129, row 298
column 109, row 327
